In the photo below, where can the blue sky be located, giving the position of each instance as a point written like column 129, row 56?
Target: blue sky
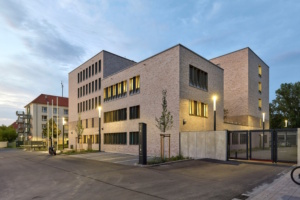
column 42, row 41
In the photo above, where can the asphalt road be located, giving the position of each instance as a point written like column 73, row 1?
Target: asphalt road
column 31, row 175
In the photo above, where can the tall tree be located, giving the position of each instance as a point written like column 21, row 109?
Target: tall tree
column 286, row 106
column 44, row 132
column 165, row 122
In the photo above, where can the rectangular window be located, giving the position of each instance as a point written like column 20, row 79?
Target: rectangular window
column 134, row 112
column 86, row 89
column 134, row 85
column 77, row 107
column 92, row 122
column 96, row 102
column 44, row 117
column 44, row 126
column 115, row 138
column 259, row 71
column 93, row 86
column 198, row 108
column 96, row 139
column 114, row 91
column 80, row 106
column 92, row 103
column 134, row 138
column 83, row 74
column 86, row 73
column 99, row 100
column 259, row 104
column 235, row 138
column 84, row 139
column 96, row 68
column 99, row 83
column 44, row 109
column 80, row 76
column 99, row 66
column 259, row 87
column 90, row 71
column 78, row 93
column 115, row 116
column 83, row 106
column 89, row 104
column 83, row 90
column 96, row 85
column 198, row 78
column 243, row 138
column 86, row 105
column 55, row 110
column 86, row 123
column 89, row 88
column 66, row 111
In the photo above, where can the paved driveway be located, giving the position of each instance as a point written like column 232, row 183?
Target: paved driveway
column 31, row 175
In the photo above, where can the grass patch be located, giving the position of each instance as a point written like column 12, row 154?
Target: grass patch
column 158, row 160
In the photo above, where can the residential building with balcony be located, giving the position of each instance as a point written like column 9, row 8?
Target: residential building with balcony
column 32, row 122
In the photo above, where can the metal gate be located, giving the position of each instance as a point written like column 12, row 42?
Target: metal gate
column 279, row 145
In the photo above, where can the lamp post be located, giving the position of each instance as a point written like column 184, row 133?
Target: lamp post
column 215, row 112
column 99, row 108
column 286, row 121
column 263, row 116
column 63, row 122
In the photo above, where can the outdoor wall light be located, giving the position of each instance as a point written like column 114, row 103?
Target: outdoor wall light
column 184, row 122
column 215, row 113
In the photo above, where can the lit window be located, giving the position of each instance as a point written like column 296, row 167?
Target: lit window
column 198, row 108
column 259, row 104
column 134, row 85
column 259, row 70
column 259, row 87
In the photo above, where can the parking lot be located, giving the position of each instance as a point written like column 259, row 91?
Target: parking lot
column 33, row 175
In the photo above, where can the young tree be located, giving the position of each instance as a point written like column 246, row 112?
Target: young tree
column 165, row 122
column 44, row 132
column 7, row 133
column 286, row 106
column 79, row 130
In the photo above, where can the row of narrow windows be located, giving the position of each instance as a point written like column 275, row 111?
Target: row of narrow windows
column 198, row 78
column 90, row 104
column 121, row 138
column 119, row 90
column 121, row 114
column 112, row 138
column 89, row 88
column 89, row 71
column 198, row 108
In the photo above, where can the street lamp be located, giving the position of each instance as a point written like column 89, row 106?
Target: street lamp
column 99, row 140
column 263, row 116
column 63, row 122
column 286, row 121
column 215, row 114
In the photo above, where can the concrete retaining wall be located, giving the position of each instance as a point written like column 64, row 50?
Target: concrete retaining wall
column 3, row 144
column 206, row 144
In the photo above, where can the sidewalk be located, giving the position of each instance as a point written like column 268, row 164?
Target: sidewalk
column 283, row 188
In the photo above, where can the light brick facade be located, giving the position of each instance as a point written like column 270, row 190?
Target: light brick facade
column 168, row 70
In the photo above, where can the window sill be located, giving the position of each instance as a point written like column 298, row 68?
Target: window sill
column 199, row 88
column 198, row 116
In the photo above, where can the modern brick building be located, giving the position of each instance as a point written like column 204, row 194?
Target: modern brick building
column 130, row 93
column 37, row 113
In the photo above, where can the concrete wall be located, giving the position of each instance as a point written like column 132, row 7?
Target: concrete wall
column 3, row 144
column 206, row 144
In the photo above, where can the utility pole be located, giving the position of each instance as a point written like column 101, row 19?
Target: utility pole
column 62, row 89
